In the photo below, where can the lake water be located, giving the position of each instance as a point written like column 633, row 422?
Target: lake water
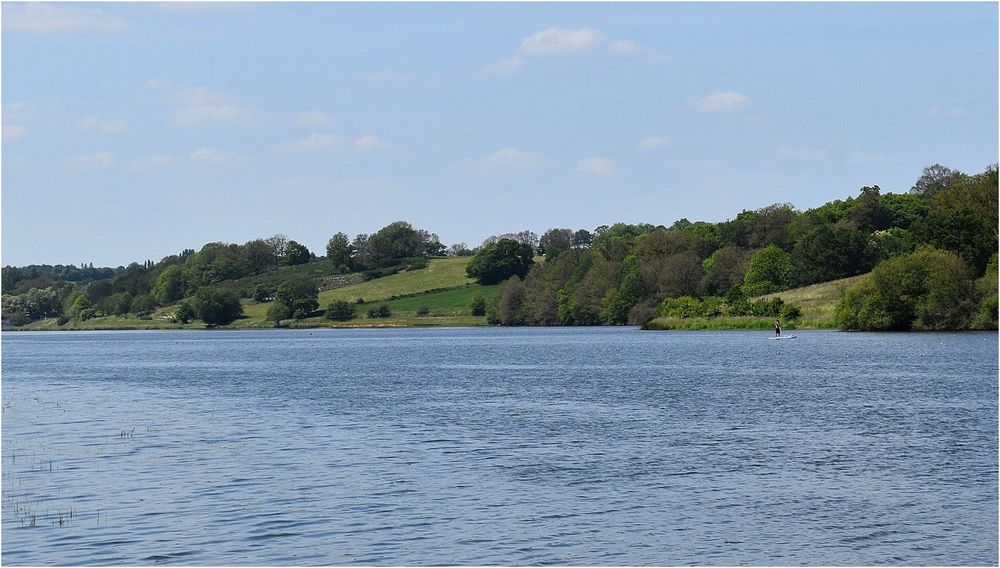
column 593, row 446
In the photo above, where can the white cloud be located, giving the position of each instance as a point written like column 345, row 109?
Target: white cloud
column 315, row 141
column 18, row 111
column 212, row 155
column 516, row 157
column 313, row 118
column 91, row 161
column 370, row 142
column 199, row 106
column 628, row 47
column 803, row 154
column 208, row 114
column 623, row 46
column 721, row 102
column 94, row 124
column 598, row 166
column 653, row 142
column 53, row 18
column 152, row 162
column 13, row 131
column 560, row 40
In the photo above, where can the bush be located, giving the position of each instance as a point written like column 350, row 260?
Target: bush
column 790, row 312
column 299, row 294
column 261, row 293
column 496, row 262
column 341, row 310
column 928, row 289
column 478, row 305
column 423, row 311
column 184, row 313
column 381, row 311
column 216, row 306
column 278, row 312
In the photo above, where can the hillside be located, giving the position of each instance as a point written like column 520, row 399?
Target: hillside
column 817, row 301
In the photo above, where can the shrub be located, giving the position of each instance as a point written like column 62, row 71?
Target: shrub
column 928, row 289
column 478, row 305
column 261, row 293
column 382, row 311
column 341, row 310
column 278, row 312
column 423, row 310
column 216, row 306
column 184, row 313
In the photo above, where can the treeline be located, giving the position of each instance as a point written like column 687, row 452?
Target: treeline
column 617, row 274
column 626, row 272
column 205, row 277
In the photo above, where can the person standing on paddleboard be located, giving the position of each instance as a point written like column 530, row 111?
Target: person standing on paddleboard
column 777, row 328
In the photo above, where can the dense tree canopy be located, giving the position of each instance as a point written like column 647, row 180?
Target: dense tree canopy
column 498, row 261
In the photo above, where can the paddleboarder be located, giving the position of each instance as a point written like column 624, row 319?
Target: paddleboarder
column 777, row 328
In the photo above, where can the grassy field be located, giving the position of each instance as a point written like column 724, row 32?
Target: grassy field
column 818, row 301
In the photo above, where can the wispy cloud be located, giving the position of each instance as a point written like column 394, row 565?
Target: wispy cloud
column 721, row 102
column 516, row 157
column 199, row 106
column 19, row 110
column 54, row 18
column 629, row 47
column 560, row 40
column 597, row 166
column 91, row 161
column 507, row 66
column 654, row 142
column 13, row 131
column 152, row 162
column 94, row 124
column 212, row 155
column 370, row 143
column 313, row 118
column 315, row 141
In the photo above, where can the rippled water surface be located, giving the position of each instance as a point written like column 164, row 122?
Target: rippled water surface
column 606, row 446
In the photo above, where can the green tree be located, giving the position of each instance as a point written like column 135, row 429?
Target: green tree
column 769, row 271
column 934, row 179
column 478, row 305
column 498, row 261
column 554, row 241
column 296, row 253
column 216, row 306
column 143, row 305
column 341, row 310
column 184, row 313
column 829, row 253
column 928, row 289
column 170, row 285
column 261, row 293
column 299, row 293
column 277, row 312
column 381, row 311
column 512, row 302
column 339, row 252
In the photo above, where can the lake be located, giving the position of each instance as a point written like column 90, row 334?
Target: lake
column 484, row 446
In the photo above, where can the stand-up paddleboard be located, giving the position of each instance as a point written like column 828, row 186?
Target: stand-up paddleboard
column 784, row 337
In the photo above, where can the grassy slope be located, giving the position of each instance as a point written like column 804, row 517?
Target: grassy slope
column 818, row 303
column 442, row 287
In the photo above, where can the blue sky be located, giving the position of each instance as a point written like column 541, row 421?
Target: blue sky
column 135, row 130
